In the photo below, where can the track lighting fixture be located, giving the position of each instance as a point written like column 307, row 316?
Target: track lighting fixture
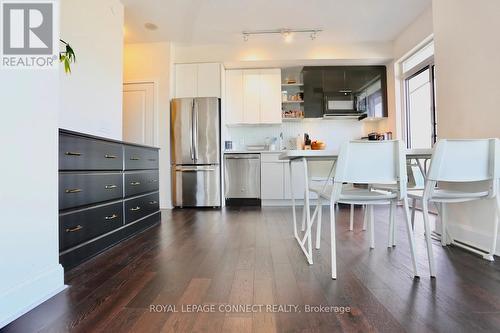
column 286, row 33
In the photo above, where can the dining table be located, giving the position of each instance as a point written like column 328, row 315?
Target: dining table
column 421, row 156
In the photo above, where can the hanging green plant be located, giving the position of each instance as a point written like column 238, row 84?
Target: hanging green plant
column 67, row 57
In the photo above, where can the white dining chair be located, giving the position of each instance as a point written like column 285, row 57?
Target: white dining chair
column 363, row 162
column 460, row 162
column 414, row 187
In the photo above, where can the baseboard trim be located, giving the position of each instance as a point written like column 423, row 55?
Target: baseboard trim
column 29, row 294
column 472, row 237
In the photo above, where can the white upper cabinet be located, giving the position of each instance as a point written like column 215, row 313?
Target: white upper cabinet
column 198, row 80
column 270, row 96
column 186, row 80
column 234, row 97
column 253, row 96
column 209, row 80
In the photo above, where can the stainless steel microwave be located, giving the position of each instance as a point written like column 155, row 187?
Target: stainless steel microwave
column 340, row 103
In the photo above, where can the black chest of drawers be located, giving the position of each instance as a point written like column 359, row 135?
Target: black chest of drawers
column 108, row 191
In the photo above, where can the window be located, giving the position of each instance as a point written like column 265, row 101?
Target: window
column 419, row 90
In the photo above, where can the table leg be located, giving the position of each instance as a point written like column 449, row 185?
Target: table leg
column 308, row 211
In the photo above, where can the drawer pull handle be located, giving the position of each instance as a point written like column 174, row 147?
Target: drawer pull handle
column 74, row 229
column 110, row 187
column 135, row 209
column 72, row 153
column 135, row 183
column 110, row 156
column 153, row 202
column 112, row 217
column 153, row 181
column 152, row 159
column 73, row 190
column 134, row 158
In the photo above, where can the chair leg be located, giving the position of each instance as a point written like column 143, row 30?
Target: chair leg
column 411, row 237
column 393, row 207
column 413, row 210
column 372, row 229
column 318, row 228
column 430, row 255
column 333, row 242
column 444, row 217
column 366, row 213
column 351, row 219
column 390, row 240
column 493, row 249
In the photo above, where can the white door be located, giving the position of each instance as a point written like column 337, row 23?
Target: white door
column 186, row 80
column 251, row 96
column 234, row 97
column 270, row 96
column 209, row 80
column 139, row 113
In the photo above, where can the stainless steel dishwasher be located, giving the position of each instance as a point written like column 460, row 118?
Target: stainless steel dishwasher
column 242, row 179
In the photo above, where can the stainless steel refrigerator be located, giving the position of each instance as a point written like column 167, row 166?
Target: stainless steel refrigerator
column 195, row 140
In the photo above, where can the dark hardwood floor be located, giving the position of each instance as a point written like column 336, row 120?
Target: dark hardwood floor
column 249, row 256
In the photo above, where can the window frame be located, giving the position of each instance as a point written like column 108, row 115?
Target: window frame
column 427, row 64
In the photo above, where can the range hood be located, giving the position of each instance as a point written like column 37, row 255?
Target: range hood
column 353, row 115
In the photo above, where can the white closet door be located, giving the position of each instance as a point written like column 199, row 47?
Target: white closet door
column 270, row 96
column 234, row 97
column 251, row 96
column 139, row 113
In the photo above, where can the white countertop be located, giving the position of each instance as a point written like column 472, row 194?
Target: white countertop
column 243, row 151
column 318, row 154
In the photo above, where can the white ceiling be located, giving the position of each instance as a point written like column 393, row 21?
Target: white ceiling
column 222, row 21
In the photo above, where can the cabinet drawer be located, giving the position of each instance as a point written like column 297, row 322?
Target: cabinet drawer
column 78, row 153
column 271, row 157
column 139, row 207
column 79, row 189
column 76, row 228
column 137, row 158
column 140, row 182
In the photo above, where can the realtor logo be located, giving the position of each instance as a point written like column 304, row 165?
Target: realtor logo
column 27, row 34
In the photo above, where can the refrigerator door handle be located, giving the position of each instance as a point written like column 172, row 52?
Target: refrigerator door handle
column 194, row 169
column 192, row 144
column 195, row 130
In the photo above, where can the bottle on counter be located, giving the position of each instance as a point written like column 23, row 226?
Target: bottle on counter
column 299, row 142
column 307, row 142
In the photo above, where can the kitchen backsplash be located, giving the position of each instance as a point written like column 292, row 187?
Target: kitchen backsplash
column 332, row 132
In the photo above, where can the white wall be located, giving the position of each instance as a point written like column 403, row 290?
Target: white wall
column 91, row 97
column 333, row 132
column 468, row 93
column 405, row 42
column 150, row 62
column 29, row 246
column 255, row 53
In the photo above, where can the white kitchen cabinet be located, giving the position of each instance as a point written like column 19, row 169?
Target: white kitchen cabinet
column 186, row 80
column 253, row 96
column 272, row 186
column 298, row 180
column 234, row 97
column 198, row 80
column 270, row 96
column 209, row 80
